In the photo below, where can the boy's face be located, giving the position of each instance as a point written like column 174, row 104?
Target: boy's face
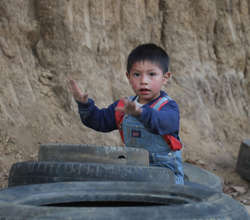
column 146, row 79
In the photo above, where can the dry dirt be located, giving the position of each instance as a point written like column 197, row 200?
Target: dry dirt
column 43, row 42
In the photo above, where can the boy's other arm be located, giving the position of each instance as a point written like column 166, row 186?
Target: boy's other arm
column 165, row 121
column 91, row 116
column 98, row 119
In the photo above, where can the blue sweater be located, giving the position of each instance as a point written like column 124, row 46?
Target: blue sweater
column 165, row 121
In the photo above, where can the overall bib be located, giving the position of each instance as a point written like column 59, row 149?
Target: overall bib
column 160, row 153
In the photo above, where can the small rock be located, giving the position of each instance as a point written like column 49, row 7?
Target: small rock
column 234, row 191
column 240, row 189
column 201, row 162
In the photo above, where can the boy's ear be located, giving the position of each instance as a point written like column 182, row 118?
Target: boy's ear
column 127, row 74
column 167, row 76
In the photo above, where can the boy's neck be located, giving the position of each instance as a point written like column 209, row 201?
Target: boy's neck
column 144, row 103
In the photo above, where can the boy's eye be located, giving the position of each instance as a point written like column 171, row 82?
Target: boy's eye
column 152, row 74
column 136, row 74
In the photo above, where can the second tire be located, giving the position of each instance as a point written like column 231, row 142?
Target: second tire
column 33, row 172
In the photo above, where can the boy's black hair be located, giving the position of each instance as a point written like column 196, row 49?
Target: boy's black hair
column 148, row 52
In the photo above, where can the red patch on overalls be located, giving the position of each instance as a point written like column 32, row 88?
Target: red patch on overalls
column 136, row 133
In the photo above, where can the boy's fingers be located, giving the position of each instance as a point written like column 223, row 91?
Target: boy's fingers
column 75, row 89
column 128, row 108
column 73, row 85
column 131, row 106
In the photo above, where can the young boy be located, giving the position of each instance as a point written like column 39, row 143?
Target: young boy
column 148, row 120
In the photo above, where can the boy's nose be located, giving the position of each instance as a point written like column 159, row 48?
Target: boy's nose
column 144, row 79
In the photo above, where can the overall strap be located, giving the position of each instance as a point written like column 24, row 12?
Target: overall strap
column 119, row 118
column 173, row 142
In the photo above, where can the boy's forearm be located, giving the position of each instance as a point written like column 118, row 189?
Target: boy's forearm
column 160, row 122
column 98, row 119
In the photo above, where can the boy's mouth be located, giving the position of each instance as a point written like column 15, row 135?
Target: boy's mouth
column 144, row 91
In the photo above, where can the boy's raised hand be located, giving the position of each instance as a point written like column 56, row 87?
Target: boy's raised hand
column 130, row 108
column 77, row 93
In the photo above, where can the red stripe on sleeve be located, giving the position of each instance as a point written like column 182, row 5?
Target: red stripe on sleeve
column 152, row 105
column 164, row 103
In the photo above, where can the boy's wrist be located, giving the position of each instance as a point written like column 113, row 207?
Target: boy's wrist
column 141, row 117
column 137, row 113
column 84, row 104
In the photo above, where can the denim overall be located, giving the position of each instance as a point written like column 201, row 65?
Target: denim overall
column 160, row 154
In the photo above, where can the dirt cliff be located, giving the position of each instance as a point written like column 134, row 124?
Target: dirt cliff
column 42, row 42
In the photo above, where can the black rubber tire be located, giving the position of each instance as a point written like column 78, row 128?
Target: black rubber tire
column 197, row 176
column 243, row 161
column 93, row 154
column 33, row 172
column 117, row 200
column 120, row 155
